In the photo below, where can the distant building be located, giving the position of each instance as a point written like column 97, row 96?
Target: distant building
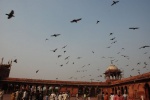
column 134, row 86
column 4, row 69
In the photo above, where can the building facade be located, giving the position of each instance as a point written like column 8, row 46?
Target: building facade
column 134, row 86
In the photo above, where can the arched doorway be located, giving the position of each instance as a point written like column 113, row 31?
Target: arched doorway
column 92, row 92
column 147, row 91
column 80, row 91
column 98, row 90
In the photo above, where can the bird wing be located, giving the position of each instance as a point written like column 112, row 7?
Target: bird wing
column 12, row 12
column 78, row 19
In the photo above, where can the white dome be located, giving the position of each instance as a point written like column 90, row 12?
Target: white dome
column 112, row 67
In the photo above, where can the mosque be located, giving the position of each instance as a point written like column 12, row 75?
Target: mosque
column 133, row 86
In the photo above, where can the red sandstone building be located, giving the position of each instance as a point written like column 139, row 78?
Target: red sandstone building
column 134, row 86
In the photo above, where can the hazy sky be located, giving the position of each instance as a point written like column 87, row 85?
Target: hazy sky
column 23, row 37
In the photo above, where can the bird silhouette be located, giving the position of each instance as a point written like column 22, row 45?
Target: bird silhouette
column 37, row 71
column 11, row 14
column 134, row 28
column 97, row 21
column 54, row 50
column 112, row 38
column 113, row 42
column 55, row 35
column 76, row 20
column 109, row 47
column 61, row 65
column 64, row 46
column 79, row 57
column 46, row 39
column 114, row 2
column 67, row 57
column 67, row 62
column 138, row 63
column 144, row 46
column 59, row 56
column 132, row 69
column 110, row 34
column 15, row 60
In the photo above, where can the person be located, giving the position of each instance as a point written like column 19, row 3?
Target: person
column 142, row 97
column 112, row 96
column 106, row 96
column 52, row 96
column 125, row 96
column 60, row 96
column 17, row 94
column 84, row 97
column 46, row 97
column 1, row 94
column 12, row 97
column 118, row 96
column 77, row 96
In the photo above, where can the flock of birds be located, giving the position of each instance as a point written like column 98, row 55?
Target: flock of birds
column 112, row 39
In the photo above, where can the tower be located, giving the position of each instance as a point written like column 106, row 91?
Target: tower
column 112, row 73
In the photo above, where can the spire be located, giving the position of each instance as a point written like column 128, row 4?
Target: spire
column 2, row 61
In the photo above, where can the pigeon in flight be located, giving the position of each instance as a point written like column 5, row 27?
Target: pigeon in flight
column 144, row 46
column 64, row 46
column 54, row 50
column 59, row 56
column 64, row 51
column 67, row 57
column 15, row 60
column 134, row 28
column 46, row 39
column 55, row 35
column 114, row 2
column 97, row 21
column 110, row 34
column 37, row 71
column 11, row 14
column 76, row 20
column 113, row 38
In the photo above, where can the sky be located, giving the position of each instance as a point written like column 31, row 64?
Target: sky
column 27, row 38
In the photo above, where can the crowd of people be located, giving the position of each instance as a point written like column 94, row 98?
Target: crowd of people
column 112, row 96
column 27, row 95
column 39, row 95
column 117, row 96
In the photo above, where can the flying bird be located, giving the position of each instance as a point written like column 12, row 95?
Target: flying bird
column 46, row 39
column 64, row 46
column 134, row 28
column 110, row 34
column 15, row 60
column 64, row 51
column 97, row 21
column 76, row 20
column 55, row 35
column 11, row 14
column 54, row 50
column 114, row 2
column 61, row 65
column 138, row 63
column 59, row 56
column 37, row 71
column 144, row 46
column 114, row 42
column 79, row 57
column 113, row 38
column 67, row 57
